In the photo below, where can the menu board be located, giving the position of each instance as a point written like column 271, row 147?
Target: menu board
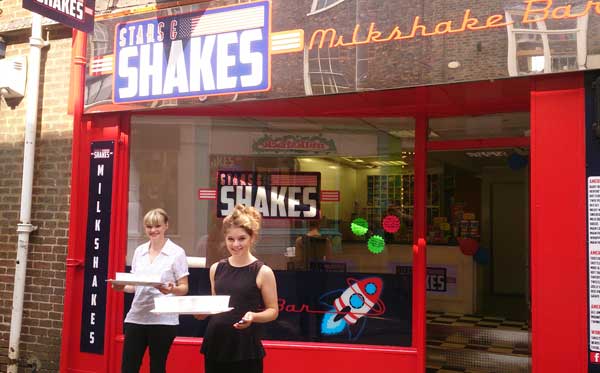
column 593, row 189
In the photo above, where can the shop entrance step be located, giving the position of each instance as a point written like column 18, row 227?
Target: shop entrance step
column 477, row 344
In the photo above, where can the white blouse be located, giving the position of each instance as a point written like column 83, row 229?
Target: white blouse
column 172, row 265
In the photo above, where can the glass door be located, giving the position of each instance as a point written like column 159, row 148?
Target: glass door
column 478, row 243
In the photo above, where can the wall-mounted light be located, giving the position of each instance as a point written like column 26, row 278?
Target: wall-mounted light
column 453, row 65
column 2, row 47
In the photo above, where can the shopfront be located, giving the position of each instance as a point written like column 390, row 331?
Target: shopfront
column 440, row 150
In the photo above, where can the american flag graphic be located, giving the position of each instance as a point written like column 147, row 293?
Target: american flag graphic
column 221, row 22
column 207, row 194
column 294, row 180
column 101, row 65
column 330, row 196
column 287, row 41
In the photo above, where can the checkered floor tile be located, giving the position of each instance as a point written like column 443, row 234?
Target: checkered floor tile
column 448, row 369
column 457, row 319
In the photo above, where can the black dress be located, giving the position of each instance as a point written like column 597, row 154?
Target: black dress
column 222, row 342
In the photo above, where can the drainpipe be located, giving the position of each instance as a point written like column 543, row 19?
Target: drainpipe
column 24, row 228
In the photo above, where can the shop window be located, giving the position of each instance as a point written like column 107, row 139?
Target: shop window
column 351, row 177
column 319, row 6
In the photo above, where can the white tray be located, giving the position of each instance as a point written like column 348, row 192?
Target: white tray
column 192, row 312
column 134, row 282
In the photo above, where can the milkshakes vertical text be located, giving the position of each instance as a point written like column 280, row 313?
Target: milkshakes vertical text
column 96, row 250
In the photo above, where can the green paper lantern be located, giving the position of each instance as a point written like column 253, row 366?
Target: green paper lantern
column 376, row 244
column 359, row 226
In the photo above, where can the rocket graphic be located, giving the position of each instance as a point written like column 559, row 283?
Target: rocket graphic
column 359, row 299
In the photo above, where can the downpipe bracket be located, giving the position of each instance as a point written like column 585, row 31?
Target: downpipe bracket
column 26, row 228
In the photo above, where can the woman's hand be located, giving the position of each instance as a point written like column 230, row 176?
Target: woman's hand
column 245, row 322
column 166, row 288
column 117, row 287
column 125, row 288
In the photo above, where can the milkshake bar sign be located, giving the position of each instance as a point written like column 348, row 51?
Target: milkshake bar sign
column 209, row 52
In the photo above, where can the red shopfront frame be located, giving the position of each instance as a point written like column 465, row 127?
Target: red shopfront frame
column 558, row 262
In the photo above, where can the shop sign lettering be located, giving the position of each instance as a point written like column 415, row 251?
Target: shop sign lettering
column 209, row 52
column 96, row 249
column 437, row 278
column 533, row 11
column 78, row 14
column 294, row 144
column 274, row 195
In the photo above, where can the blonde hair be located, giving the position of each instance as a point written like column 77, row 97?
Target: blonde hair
column 245, row 217
column 156, row 217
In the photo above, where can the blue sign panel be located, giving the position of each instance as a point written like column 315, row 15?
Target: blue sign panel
column 210, row 52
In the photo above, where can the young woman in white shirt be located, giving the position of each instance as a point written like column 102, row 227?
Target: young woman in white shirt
column 143, row 329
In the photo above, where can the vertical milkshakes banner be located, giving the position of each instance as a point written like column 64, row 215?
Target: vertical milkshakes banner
column 93, row 313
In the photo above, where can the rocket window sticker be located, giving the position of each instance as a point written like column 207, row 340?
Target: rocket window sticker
column 346, row 312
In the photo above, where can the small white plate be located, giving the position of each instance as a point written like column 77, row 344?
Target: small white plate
column 133, row 282
column 188, row 312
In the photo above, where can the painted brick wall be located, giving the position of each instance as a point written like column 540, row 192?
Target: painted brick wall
column 45, row 283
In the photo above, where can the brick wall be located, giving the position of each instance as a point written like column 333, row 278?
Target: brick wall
column 45, row 283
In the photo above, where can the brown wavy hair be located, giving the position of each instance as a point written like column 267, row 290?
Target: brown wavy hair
column 245, row 217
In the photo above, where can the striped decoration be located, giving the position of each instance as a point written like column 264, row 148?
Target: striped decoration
column 330, row 196
column 207, row 194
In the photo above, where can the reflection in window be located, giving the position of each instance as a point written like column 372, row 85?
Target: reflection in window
column 545, row 45
column 322, row 5
column 323, row 73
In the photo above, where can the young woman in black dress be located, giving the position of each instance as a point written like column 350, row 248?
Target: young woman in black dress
column 232, row 341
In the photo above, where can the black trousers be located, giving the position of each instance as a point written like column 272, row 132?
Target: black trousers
column 158, row 338
column 242, row 366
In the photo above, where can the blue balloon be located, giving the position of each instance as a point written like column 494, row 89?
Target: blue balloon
column 517, row 161
column 482, row 256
